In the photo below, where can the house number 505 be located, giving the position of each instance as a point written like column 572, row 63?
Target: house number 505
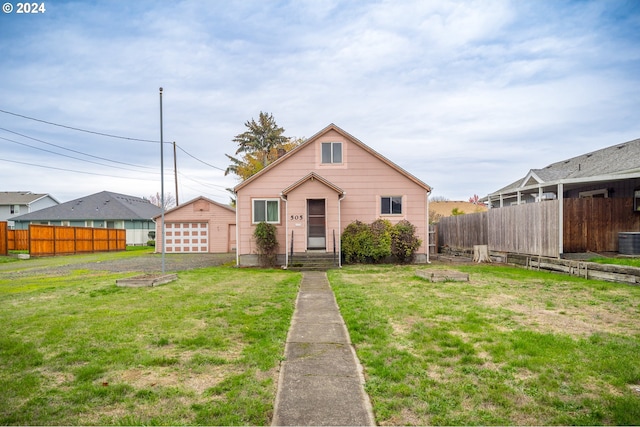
column 296, row 217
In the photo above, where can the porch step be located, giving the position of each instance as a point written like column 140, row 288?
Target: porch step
column 312, row 261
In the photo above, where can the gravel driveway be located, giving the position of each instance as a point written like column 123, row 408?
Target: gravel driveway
column 148, row 263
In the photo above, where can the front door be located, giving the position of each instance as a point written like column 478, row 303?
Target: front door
column 316, row 228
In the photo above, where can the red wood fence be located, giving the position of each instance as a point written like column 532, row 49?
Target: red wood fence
column 4, row 244
column 47, row 240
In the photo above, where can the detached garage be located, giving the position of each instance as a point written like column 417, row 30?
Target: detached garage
column 200, row 225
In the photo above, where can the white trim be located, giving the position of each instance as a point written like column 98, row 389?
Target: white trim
column 587, row 194
column 266, row 200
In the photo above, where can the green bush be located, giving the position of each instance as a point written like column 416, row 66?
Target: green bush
column 404, row 242
column 381, row 240
column 151, row 243
column 356, row 242
column 375, row 242
column 267, row 243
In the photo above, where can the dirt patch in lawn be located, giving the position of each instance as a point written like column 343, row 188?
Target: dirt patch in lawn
column 579, row 321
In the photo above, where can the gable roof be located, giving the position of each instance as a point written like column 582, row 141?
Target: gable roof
column 100, row 206
column 351, row 138
column 311, row 177
column 193, row 201
column 617, row 161
column 21, row 197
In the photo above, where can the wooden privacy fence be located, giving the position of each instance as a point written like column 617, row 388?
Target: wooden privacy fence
column 463, row 231
column 4, row 243
column 588, row 225
column 18, row 240
column 593, row 224
column 46, row 240
column 525, row 229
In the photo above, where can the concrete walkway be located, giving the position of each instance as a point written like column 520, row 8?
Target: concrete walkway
column 321, row 381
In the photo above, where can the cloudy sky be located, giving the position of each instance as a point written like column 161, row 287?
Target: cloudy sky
column 466, row 95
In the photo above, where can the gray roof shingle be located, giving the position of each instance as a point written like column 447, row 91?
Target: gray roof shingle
column 617, row 159
column 100, row 206
column 19, row 197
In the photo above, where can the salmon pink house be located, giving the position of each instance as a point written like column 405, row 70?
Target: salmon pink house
column 199, row 225
column 314, row 191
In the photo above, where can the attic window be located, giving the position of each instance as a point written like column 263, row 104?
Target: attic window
column 331, row 152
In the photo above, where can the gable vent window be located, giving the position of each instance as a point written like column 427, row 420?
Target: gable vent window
column 331, row 152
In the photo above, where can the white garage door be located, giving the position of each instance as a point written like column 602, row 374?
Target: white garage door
column 187, row 237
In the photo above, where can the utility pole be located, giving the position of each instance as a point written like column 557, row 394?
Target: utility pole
column 162, row 181
column 175, row 171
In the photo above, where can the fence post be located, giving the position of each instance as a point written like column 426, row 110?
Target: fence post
column 4, row 238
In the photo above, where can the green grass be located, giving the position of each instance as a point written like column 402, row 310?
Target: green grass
column 77, row 350
column 631, row 262
column 509, row 347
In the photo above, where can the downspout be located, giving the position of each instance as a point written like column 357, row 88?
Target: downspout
column 342, row 196
column 237, row 231
column 428, row 233
column 286, row 230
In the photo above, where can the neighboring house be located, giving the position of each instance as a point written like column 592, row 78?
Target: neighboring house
column 15, row 203
column 100, row 210
column 612, row 172
column 593, row 203
column 314, row 191
column 199, row 225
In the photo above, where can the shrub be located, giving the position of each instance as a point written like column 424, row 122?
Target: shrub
column 365, row 243
column 151, row 243
column 381, row 240
column 267, row 243
column 404, row 242
column 356, row 242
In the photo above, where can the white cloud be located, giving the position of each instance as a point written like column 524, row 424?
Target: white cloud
column 441, row 88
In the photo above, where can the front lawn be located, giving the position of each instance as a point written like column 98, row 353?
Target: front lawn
column 509, row 347
column 77, row 350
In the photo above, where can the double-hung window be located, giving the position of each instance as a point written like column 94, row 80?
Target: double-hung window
column 391, row 205
column 266, row 210
column 331, row 152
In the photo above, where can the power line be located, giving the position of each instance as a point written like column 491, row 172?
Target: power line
column 73, row 157
column 75, row 171
column 79, row 129
column 101, row 134
column 201, row 161
column 73, row 151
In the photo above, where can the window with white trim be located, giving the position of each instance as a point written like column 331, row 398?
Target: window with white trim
column 331, row 152
column 391, row 205
column 602, row 193
column 15, row 209
column 266, row 210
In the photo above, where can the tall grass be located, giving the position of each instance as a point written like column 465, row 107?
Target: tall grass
column 509, row 347
column 77, row 350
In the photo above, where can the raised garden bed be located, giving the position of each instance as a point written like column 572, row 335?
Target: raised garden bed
column 146, row 280
column 443, row 275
